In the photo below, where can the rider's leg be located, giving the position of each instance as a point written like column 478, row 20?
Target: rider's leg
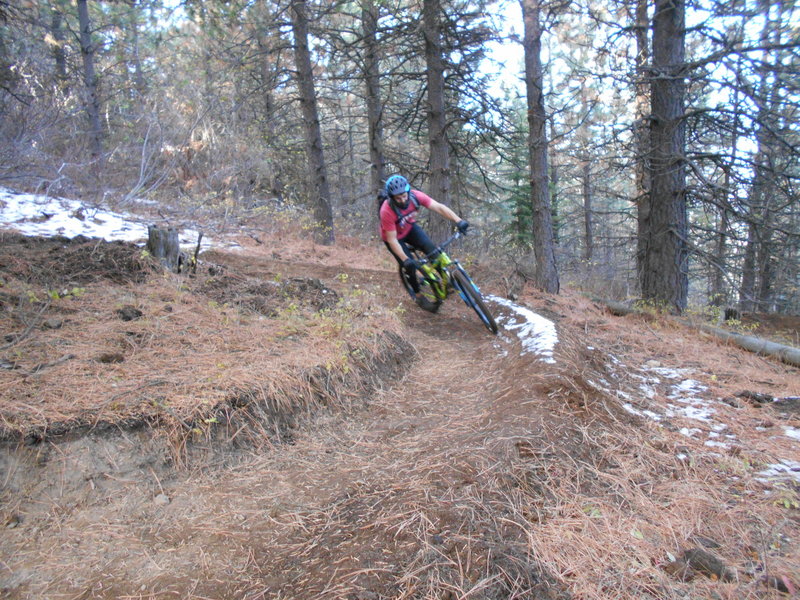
column 411, row 274
column 417, row 238
column 420, row 240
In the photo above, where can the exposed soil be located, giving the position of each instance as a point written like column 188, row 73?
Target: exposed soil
column 375, row 452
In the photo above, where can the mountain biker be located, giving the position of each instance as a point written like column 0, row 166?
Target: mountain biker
column 399, row 229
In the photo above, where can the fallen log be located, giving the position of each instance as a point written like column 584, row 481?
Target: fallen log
column 787, row 354
column 760, row 346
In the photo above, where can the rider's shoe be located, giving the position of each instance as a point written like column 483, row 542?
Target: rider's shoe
column 426, row 304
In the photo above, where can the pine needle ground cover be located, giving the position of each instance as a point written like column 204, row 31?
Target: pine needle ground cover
column 394, row 453
column 97, row 334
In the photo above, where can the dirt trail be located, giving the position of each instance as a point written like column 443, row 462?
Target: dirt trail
column 390, row 501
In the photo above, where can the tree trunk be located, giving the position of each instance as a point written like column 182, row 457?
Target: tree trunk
column 664, row 277
column 716, row 293
column 269, row 81
column 543, row 241
column 756, row 284
column 719, row 292
column 768, row 160
column 765, row 263
column 790, row 274
column 588, row 250
column 92, row 104
column 320, row 192
column 206, row 58
column 553, row 185
column 377, row 171
column 437, row 126
column 59, row 55
column 140, row 85
column 642, row 131
column 747, row 288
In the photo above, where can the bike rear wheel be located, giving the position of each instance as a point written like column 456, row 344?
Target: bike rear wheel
column 428, row 284
column 472, row 297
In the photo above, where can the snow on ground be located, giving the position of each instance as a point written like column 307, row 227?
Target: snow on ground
column 785, row 469
column 537, row 334
column 49, row 216
column 688, row 402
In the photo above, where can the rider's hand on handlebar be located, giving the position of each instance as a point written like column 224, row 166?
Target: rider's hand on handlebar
column 462, row 226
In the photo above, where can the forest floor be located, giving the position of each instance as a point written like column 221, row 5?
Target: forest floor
column 287, row 424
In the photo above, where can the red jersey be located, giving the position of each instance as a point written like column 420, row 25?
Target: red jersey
column 408, row 216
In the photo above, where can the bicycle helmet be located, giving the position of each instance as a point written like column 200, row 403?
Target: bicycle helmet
column 396, row 185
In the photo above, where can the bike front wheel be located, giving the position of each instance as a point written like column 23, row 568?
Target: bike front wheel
column 472, row 297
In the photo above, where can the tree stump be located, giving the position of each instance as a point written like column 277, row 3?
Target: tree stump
column 163, row 244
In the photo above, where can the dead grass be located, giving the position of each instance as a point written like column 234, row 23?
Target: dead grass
column 349, row 253
column 631, row 495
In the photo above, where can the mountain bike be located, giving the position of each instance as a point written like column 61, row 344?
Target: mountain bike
column 439, row 275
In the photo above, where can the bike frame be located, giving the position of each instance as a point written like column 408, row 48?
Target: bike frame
column 437, row 270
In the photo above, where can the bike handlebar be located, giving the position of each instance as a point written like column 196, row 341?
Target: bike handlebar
column 445, row 244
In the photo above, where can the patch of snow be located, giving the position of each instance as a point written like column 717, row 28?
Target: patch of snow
column 501, row 349
column 597, row 386
column 629, row 407
column 49, row 216
column 652, row 415
column 640, row 412
column 646, row 379
column 715, row 444
column 537, row 334
column 648, row 391
column 669, row 373
column 792, row 432
column 786, row 469
column 687, row 386
column 697, row 413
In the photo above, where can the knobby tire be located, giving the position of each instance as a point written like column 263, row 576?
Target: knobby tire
column 474, row 300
